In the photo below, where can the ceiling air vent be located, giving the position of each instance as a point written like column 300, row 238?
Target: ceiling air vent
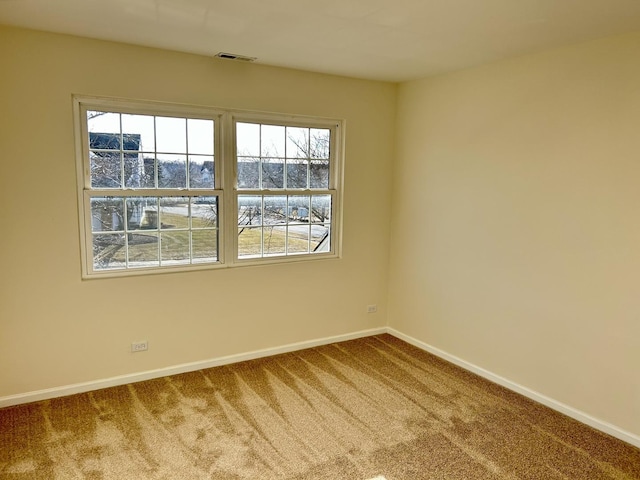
column 233, row 56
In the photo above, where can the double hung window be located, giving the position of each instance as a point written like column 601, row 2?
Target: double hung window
column 170, row 187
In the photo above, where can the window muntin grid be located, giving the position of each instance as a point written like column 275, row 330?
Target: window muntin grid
column 295, row 161
column 129, row 170
column 282, row 225
column 150, row 151
column 146, row 232
column 282, row 157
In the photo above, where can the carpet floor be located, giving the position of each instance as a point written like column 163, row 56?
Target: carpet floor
column 369, row 408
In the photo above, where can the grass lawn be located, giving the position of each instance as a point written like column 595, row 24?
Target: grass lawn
column 174, row 242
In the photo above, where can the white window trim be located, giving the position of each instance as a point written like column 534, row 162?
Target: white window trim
column 226, row 190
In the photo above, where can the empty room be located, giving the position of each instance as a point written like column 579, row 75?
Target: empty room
column 320, row 240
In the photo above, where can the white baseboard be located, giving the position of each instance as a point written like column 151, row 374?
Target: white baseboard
column 65, row 390
column 215, row 362
column 582, row 417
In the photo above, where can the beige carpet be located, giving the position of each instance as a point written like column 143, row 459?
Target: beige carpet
column 368, row 408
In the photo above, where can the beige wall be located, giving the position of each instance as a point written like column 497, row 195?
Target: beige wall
column 516, row 222
column 56, row 330
column 516, row 235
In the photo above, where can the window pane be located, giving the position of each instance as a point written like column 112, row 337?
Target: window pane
column 320, row 143
column 204, row 212
column 275, row 240
column 138, row 171
column 131, row 142
column 105, row 169
column 298, row 208
column 200, row 136
column 297, row 173
column 171, row 135
column 175, row 247
column 319, row 174
column 272, row 173
column 320, row 238
column 275, row 208
column 249, row 241
column 107, row 214
column 248, row 172
column 321, row 208
column 249, row 210
column 298, row 239
column 201, row 173
column 143, row 250
column 107, row 124
column 149, row 220
column 272, row 141
column 204, row 246
column 172, row 171
column 297, row 142
column 142, row 213
column 174, row 212
column 248, row 139
column 108, row 251
column 142, row 127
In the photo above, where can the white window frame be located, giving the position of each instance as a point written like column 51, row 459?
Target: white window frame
column 226, row 188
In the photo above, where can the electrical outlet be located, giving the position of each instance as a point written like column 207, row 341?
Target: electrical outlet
column 139, row 346
column 372, row 308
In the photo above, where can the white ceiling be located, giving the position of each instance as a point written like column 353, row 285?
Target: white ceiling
column 393, row 40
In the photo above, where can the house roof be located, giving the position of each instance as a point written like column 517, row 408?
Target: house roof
column 111, row 141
